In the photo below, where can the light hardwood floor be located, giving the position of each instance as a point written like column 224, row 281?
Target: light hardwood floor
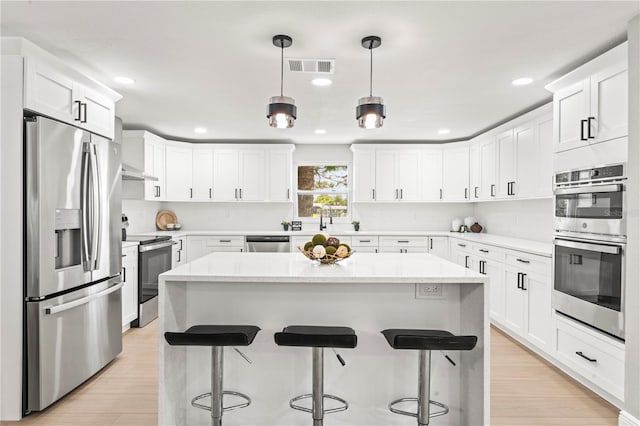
column 525, row 390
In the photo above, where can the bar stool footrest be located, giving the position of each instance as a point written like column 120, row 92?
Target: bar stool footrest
column 195, row 403
column 343, row 407
column 444, row 409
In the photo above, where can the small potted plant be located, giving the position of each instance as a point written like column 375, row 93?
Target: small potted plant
column 285, row 225
column 356, row 225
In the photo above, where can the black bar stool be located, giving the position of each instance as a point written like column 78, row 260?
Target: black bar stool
column 317, row 338
column 216, row 336
column 425, row 341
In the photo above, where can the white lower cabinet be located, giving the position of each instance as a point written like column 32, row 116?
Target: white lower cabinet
column 179, row 252
column 594, row 356
column 198, row 246
column 439, row 246
column 130, row 287
column 365, row 244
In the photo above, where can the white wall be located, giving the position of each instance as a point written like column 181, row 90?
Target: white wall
column 529, row 219
column 141, row 214
column 409, row 216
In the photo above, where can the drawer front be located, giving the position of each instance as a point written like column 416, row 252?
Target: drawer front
column 224, row 241
column 461, row 245
column 364, row 241
column 489, row 252
column 529, row 262
column 595, row 358
column 401, row 242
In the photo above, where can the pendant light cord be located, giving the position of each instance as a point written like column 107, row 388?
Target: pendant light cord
column 281, row 67
column 371, row 69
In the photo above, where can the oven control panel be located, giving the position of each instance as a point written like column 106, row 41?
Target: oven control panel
column 614, row 172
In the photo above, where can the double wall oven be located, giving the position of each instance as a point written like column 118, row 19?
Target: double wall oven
column 590, row 246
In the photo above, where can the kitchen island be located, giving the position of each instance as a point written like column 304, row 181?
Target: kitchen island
column 368, row 292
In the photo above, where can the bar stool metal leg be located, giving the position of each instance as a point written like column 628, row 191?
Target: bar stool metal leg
column 424, row 381
column 317, row 406
column 216, row 385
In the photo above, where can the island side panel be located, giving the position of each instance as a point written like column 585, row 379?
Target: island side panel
column 475, row 379
column 375, row 374
column 172, row 308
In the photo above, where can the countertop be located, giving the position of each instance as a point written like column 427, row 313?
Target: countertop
column 293, row 268
column 524, row 245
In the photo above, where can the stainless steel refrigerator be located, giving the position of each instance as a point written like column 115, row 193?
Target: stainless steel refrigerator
column 73, row 297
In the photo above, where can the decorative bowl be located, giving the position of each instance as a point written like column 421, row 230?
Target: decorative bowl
column 328, row 259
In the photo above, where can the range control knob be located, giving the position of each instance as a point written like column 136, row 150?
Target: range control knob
column 584, row 224
column 595, row 173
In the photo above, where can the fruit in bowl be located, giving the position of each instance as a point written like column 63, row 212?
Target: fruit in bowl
column 325, row 249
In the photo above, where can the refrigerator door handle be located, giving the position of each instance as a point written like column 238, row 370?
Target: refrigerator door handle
column 52, row 310
column 96, row 228
column 84, row 206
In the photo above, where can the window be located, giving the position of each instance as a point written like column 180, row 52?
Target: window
column 323, row 187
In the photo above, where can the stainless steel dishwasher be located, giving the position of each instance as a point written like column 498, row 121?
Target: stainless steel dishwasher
column 268, row 243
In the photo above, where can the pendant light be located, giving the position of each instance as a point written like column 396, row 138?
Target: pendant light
column 370, row 111
column 282, row 110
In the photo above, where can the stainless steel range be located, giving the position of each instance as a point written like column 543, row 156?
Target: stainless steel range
column 590, row 246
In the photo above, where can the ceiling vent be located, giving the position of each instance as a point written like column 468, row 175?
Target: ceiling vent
column 321, row 66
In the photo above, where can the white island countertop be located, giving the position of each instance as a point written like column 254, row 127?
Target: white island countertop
column 295, row 268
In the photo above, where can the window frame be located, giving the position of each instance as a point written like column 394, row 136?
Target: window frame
column 336, row 220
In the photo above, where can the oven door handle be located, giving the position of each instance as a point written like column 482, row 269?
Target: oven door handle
column 593, row 189
column 587, row 246
column 149, row 247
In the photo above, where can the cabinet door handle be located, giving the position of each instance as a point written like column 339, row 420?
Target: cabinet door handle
column 482, row 263
column 430, row 243
column 396, row 194
column 373, row 194
column 84, row 107
column 523, row 261
column 475, row 192
column 209, row 193
column 582, row 123
column 124, row 274
column 466, row 190
column 513, row 186
column 493, row 189
column 179, row 256
column 580, row 354
column 288, row 193
column 519, row 276
column 589, row 135
column 522, row 285
column 365, row 241
column 236, row 193
column 461, row 245
column 466, row 261
column 180, row 243
column 190, row 192
column 484, row 251
column 403, row 241
column 401, row 193
column 441, row 193
column 225, row 241
column 240, row 193
column 79, row 117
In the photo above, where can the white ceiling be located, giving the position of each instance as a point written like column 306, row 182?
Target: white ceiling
column 442, row 64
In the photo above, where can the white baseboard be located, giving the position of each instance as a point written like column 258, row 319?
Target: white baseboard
column 626, row 419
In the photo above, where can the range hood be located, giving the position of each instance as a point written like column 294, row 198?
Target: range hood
column 131, row 173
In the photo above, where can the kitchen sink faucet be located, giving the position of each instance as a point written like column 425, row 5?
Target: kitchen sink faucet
column 324, row 226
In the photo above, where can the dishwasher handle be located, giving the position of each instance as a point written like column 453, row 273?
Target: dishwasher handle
column 268, row 238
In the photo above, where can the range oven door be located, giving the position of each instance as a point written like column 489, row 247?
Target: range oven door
column 153, row 260
column 589, row 283
column 596, row 209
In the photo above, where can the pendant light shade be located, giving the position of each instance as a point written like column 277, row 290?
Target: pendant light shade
column 282, row 111
column 370, row 111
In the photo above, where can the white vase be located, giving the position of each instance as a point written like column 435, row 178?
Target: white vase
column 456, row 223
column 469, row 221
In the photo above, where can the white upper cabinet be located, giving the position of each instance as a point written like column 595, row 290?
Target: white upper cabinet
column 386, row 188
column 239, row 175
column 364, row 174
column 146, row 152
column 455, row 176
column 280, row 174
column 506, row 163
column 54, row 90
column 533, row 158
column 407, row 175
column 432, row 174
column 489, row 168
column 475, row 171
column 202, row 175
column 590, row 104
column 179, row 169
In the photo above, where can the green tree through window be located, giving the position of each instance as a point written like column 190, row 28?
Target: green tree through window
column 323, row 185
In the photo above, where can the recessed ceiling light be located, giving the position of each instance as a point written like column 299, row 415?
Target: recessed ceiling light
column 200, row 130
column 321, row 82
column 124, row 80
column 444, row 131
column 522, row 81
column 320, row 131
